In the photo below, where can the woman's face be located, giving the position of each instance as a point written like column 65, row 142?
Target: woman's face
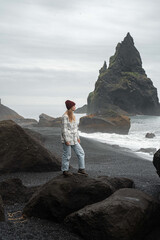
column 73, row 108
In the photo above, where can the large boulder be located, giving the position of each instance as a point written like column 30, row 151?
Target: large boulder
column 7, row 113
column 156, row 161
column 36, row 135
column 12, row 190
column 48, row 121
column 124, row 85
column 2, row 215
column 64, row 195
column 110, row 123
column 20, row 152
column 117, row 182
column 127, row 214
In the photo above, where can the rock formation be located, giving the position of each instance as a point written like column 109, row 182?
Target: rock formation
column 127, row 214
column 8, row 114
column 150, row 135
column 20, row 152
column 13, row 191
column 82, row 109
column 124, row 85
column 104, row 68
column 37, row 136
column 96, row 208
column 110, row 123
column 2, row 215
column 47, row 121
column 64, row 195
column 156, row 161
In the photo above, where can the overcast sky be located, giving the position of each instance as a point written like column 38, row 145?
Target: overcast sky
column 52, row 50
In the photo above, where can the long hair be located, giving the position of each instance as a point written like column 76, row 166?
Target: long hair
column 71, row 116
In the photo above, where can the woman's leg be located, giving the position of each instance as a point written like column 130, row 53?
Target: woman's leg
column 80, row 154
column 66, row 157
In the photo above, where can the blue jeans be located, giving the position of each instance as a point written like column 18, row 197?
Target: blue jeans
column 67, row 155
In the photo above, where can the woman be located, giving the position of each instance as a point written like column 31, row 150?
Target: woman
column 70, row 139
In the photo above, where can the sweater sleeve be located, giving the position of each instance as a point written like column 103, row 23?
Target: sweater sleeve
column 77, row 127
column 65, row 132
column 77, row 133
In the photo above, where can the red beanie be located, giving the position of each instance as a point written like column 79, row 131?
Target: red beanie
column 69, row 104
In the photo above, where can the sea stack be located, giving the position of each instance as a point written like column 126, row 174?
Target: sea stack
column 124, row 85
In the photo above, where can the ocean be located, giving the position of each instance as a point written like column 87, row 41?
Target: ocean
column 135, row 140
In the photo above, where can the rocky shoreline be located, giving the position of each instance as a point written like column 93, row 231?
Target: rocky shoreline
column 101, row 159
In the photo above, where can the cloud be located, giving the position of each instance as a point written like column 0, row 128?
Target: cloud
column 57, row 47
column 39, row 83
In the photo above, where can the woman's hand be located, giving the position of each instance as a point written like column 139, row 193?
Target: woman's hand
column 67, row 143
column 78, row 140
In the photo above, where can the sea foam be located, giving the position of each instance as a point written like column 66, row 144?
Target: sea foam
column 135, row 140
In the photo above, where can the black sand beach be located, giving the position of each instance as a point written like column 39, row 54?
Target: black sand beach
column 101, row 159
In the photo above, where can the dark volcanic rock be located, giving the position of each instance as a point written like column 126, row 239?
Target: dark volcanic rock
column 117, row 182
column 20, row 152
column 156, row 161
column 64, row 195
column 124, row 85
column 26, row 122
column 82, row 109
column 127, row 214
column 47, row 121
column 2, row 216
column 8, row 114
column 150, row 135
column 37, row 136
column 110, row 123
column 154, row 234
column 147, row 150
column 104, row 68
column 12, row 190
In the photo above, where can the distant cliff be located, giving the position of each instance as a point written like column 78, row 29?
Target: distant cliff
column 124, row 85
column 8, row 114
column 48, row 121
column 82, row 109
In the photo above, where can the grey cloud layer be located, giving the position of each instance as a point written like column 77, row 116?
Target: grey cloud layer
column 57, row 47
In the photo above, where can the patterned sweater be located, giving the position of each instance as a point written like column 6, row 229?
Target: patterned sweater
column 69, row 130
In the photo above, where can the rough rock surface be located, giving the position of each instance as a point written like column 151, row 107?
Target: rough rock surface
column 2, row 216
column 124, row 85
column 20, row 152
column 117, row 182
column 150, row 135
column 111, row 123
column 64, row 195
column 13, row 191
column 156, row 161
column 37, row 136
column 127, row 214
column 82, row 109
column 26, row 122
column 47, row 121
column 8, row 114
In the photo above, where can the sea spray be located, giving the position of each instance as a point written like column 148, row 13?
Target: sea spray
column 135, row 141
